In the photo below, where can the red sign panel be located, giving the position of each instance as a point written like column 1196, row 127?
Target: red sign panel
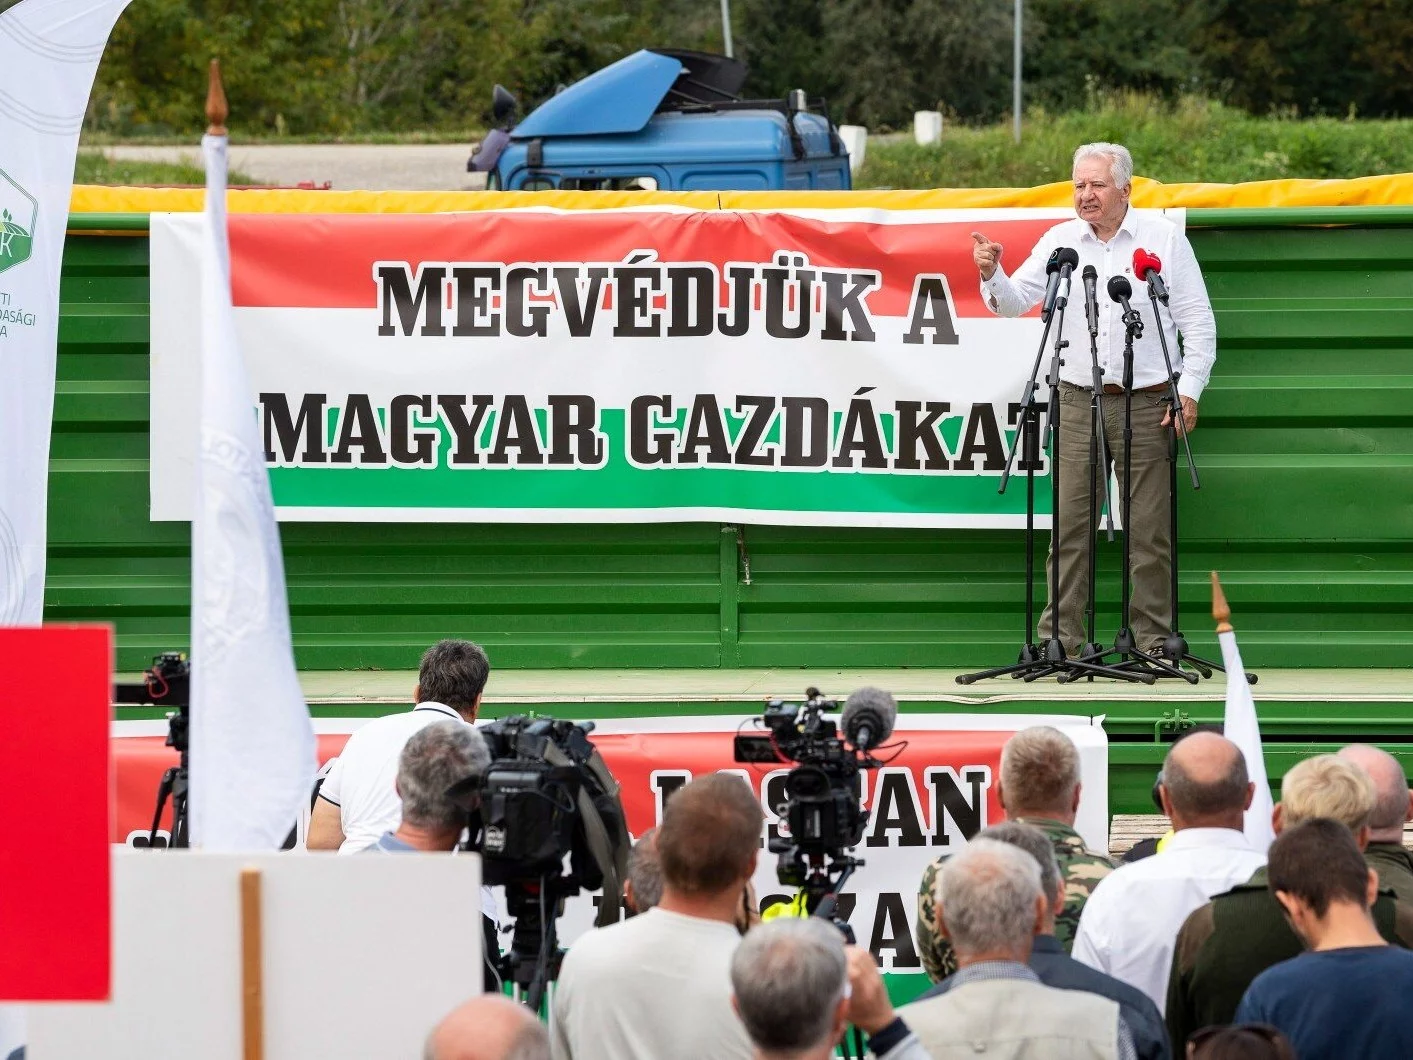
column 55, row 899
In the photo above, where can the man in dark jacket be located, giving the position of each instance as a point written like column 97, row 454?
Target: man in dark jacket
column 1226, row 943
column 1059, row 970
column 1393, row 807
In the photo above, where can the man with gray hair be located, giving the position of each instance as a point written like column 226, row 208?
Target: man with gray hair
column 1393, row 808
column 433, row 759
column 1039, row 784
column 1131, row 921
column 1049, row 961
column 992, row 902
column 642, row 889
column 1107, row 234
column 793, row 987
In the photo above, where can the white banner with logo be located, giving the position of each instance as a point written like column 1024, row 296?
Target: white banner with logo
column 49, row 53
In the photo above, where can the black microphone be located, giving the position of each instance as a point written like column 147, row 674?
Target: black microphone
column 1091, row 298
column 1120, row 290
column 1052, row 285
column 1069, row 261
column 868, row 718
column 1145, row 267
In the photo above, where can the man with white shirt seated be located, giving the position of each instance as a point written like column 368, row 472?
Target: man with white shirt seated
column 1130, row 923
column 358, row 802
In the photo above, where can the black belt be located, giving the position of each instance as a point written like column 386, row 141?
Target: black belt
column 1115, row 388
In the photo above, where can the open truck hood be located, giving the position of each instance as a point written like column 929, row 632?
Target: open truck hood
column 621, row 98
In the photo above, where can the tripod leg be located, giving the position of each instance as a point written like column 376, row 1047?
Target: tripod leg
column 164, row 789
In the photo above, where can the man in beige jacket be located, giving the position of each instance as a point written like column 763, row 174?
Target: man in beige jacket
column 990, row 902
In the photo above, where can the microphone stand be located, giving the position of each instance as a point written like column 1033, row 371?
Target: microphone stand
column 1027, row 435
column 1175, row 648
column 1124, row 645
column 1098, row 458
column 1050, row 659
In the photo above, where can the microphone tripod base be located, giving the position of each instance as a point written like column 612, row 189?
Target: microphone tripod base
column 1175, row 652
column 1131, row 659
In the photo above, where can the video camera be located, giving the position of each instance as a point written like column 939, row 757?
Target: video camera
column 545, row 797
column 167, row 684
column 823, row 794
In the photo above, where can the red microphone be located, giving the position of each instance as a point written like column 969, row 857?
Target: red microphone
column 1146, row 267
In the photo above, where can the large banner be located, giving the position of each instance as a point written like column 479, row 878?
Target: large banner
column 937, row 789
column 818, row 368
column 49, row 52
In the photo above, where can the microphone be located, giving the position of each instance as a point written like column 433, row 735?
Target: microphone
column 1052, row 285
column 1068, row 258
column 1091, row 298
column 1145, row 267
column 1120, row 290
column 868, row 718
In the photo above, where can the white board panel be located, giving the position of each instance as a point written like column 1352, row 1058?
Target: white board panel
column 363, row 955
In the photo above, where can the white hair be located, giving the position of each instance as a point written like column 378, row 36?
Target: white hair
column 788, row 976
column 1120, row 161
column 988, row 894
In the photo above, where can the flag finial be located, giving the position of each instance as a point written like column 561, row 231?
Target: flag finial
column 1220, row 611
column 216, row 109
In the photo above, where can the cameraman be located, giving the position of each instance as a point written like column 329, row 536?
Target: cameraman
column 659, row 985
column 357, row 802
column 433, row 759
column 797, row 988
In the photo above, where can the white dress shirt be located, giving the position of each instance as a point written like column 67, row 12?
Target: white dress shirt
column 1188, row 311
column 1130, row 922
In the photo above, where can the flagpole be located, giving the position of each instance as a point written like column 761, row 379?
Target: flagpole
column 1241, row 725
column 253, row 751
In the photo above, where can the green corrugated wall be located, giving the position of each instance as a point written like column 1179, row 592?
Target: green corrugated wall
column 1306, row 507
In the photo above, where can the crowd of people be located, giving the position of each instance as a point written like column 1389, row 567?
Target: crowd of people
column 1038, row 947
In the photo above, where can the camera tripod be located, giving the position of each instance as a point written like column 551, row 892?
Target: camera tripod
column 174, row 784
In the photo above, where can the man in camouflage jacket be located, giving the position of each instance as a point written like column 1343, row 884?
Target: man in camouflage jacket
column 1039, row 785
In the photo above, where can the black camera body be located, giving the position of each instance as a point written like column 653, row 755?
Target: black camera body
column 546, row 797
column 823, row 793
column 529, row 807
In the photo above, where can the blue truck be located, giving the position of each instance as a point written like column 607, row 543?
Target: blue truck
column 663, row 121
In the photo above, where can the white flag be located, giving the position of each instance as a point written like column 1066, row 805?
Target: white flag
column 49, row 52
column 252, row 744
column 1241, row 728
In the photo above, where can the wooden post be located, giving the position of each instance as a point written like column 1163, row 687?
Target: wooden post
column 252, row 998
column 1220, row 611
column 216, row 109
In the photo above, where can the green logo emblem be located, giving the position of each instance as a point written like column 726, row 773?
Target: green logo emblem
column 18, row 213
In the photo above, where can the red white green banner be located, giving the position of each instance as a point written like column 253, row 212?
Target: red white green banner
column 937, row 789
column 820, row 368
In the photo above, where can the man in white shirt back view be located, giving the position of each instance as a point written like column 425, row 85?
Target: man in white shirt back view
column 358, row 801
column 658, row 986
column 1130, row 923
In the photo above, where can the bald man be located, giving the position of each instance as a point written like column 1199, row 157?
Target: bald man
column 1393, row 807
column 489, row 1027
column 1131, row 921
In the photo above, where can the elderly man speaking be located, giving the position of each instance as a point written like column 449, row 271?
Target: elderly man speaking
column 1105, row 234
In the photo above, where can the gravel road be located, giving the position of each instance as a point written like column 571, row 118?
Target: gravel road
column 348, row 167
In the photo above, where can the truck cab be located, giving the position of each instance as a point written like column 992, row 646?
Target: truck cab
column 663, row 121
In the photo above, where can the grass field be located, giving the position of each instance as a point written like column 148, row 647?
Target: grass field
column 1193, row 140
column 95, row 168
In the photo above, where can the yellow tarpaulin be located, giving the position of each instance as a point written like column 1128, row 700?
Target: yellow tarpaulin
column 1396, row 190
